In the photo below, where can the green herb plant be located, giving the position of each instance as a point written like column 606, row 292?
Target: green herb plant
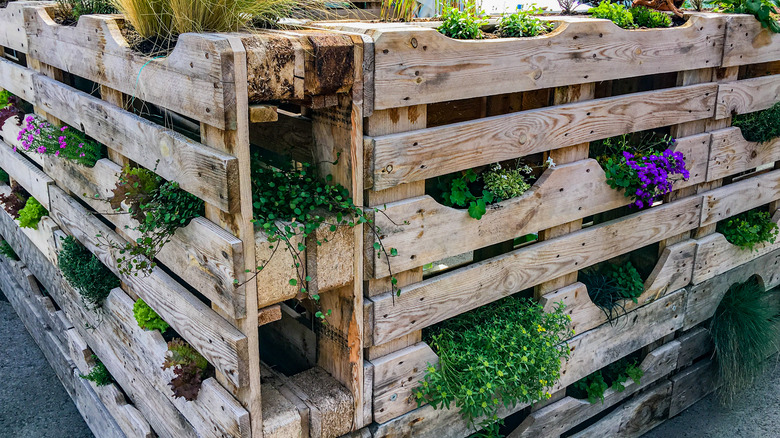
column 650, row 18
column 98, row 374
column 292, row 202
column 613, row 376
column 617, row 13
column 748, row 229
column 147, row 318
column 500, row 355
column 85, row 273
column 743, row 331
column 189, row 368
column 759, row 126
column 610, row 284
column 463, row 25
column 7, row 251
column 763, row 10
column 31, row 214
column 523, row 23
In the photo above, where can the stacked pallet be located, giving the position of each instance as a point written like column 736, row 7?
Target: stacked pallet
column 385, row 109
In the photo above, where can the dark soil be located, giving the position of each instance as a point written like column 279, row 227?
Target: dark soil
column 4, row 3
column 154, row 47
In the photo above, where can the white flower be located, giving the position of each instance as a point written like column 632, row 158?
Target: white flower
column 549, row 163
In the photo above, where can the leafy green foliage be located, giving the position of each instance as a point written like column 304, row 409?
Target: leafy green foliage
column 627, row 279
column 759, row 126
column 189, row 368
column 160, row 207
column 31, row 214
column 507, row 183
column 523, row 23
column 98, row 374
column 608, row 285
column 7, row 251
column 457, row 193
column 41, row 137
column 291, row 202
column 613, row 376
column 650, row 18
column 748, row 229
column 5, row 96
column 617, row 13
column 462, row 25
column 85, row 273
column 4, row 177
column 73, row 9
column 502, row 354
column 763, row 10
column 14, row 201
column 147, row 318
column 744, row 334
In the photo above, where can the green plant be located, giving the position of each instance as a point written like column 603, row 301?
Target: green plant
column 5, row 96
column 462, row 25
column 763, row 10
column 627, row 278
column 507, row 183
column 613, row 376
column 617, row 13
column 457, row 193
column 147, row 318
column 744, row 334
column 73, row 9
column 14, row 201
column 160, row 207
column 499, row 355
column 189, row 368
column 760, row 126
column 98, row 374
column 41, row 137
column 85, row 273
column 748, row 229
column 4, row 177
column 608, row 285
column 649, row 18
column 404, row 10
column 7, row 251
column 31, row 214
column 523, row 23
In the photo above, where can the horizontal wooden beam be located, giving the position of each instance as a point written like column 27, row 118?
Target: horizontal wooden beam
column 747, row 96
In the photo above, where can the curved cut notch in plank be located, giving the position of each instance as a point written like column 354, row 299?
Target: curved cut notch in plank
column 12, row 31
column 194, row 80
column 427, row 153
column 738, row 197
column 436, row 299
column 747, row 96
column 220, row 343
column 418, row 65
column 732, row 154
column 747, row 42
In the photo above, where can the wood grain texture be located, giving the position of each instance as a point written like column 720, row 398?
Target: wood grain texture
column 416, row 64
column 731, row 153
column 747, row 96
column 694, row 344
column 746, row 42
column 396, row 376
column 191, row 80
column 691, row 385
column 12, row 30
column 413, row 156
column 17, row 79
column 738, row 197
column 34, row 180
column 222, row 344
column 450, row 294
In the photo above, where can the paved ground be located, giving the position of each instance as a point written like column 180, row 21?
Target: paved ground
column 33, row 403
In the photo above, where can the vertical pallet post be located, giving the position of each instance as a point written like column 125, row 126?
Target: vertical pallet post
column 236, row 142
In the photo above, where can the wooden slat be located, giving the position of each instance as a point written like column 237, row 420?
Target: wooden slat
column 735, row 198
column 450, row 294
column 12, row 31
column 694, row 344
column 691, row 385
column 219, row 342
column 747, row 42
column 16, row 79
column 34, row 180
column 747, row 96
column 416, row 64
column 396, row 376
column 732, row 154
column 413, row 156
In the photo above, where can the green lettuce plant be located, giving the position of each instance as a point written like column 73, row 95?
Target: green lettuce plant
column 147, row 318
column 523, row 23
column 31, row 214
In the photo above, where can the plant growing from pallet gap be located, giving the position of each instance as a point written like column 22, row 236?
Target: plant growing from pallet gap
column 613, row 376
column 763, row 10
column 4, row 177
column 748, row 229
column 399, row 10
column 609, row 284
column 14, row 201
column 523, row 23
column 759, row 126
column 147, row 318
column 10, row 107
column 7, row 251
column 743, row 331
column 614, row 12
column 500, row 355
column 649, row 18
column 189, row 368
column 41, row 137
column 69, row 11
column 98, row 374
column 31, row 214
column 85, row 273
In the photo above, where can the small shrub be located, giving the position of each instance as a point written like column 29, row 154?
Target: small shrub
column 748, row 229
column 613, row 376
column 462, row 25
column 502, row 354
column 98, row 374
column 147, row 318
column 614, row 12
column 7, row 251
column 14, row 201
column 763, row 10
column 649, row 18
column 86, row 273
column 523, row 24
column 41, row 137
column 31, row 214
column 744, row 335
column 188, row 366
column 760, row 126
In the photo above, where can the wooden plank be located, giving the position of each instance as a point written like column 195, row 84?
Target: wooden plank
column 263, row 113
column 747, row 96
column 17, row 79
column 692, row 385
column 694, row 344
column 413, row 156
column 396, row 376
column 12, row 30
column 219, row 342
column 591, row 351
column 738, row 197
column 207, row 173
column 290, row 135
column 747, row 42
column 34, row 180
column 418, row 65
column 732, row 154
column 559, row 417
column 450, row 294
column 190, row 80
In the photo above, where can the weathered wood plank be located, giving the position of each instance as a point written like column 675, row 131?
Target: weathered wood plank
column 747, row 42
column 396, row 375
column 694, row 344
column 417, row 155
column 222, row 344
column 691, row 385
column 747, row 96
column 450, row 294
column 34, row 180
column 12, row 29
column 731, row 153
column 415, row 64
column 738, row 197
column 17, row 79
